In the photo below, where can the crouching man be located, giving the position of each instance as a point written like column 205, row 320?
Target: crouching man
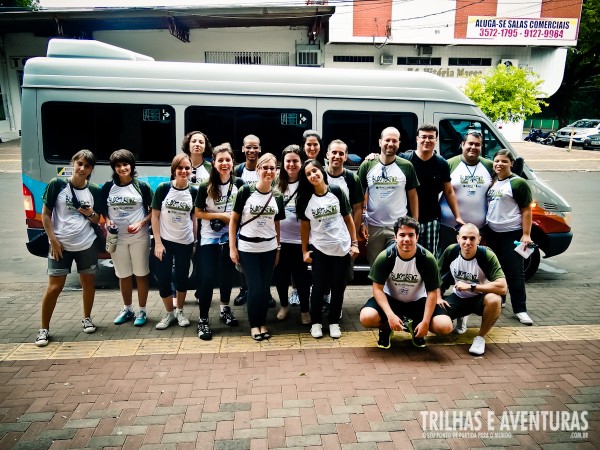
column 479, row 283
column 406, row 283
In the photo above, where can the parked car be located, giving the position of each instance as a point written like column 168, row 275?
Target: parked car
column 592, row 142
column 583, row 128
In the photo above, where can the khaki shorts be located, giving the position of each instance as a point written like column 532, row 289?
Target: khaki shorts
column 132, row 258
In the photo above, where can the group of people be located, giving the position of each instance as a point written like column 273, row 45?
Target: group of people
column 271, row 223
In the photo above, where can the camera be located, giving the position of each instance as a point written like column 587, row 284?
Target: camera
column 216, row 224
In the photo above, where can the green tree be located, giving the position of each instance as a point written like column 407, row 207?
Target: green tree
column 506, row 93
column 579, row 93
column 32, row 5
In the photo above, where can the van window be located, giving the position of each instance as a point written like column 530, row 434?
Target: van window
column 453, row 130
column 361, row 130
column 148, row 131
column 276, row 128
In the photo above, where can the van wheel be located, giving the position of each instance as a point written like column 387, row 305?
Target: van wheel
column 532, row 263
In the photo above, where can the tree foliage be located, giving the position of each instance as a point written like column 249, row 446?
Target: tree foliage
column 506, row 93
column 581, row 81
column 32, row 5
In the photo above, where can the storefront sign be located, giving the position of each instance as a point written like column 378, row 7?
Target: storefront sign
column 521, row 31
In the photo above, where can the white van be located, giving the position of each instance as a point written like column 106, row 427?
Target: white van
column 87, row 94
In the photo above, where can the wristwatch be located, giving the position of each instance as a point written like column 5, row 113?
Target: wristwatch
column 473, row 286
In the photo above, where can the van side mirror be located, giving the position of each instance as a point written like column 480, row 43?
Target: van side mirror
column 518, row 166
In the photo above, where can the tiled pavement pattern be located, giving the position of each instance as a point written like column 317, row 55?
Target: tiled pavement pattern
column 126, row 387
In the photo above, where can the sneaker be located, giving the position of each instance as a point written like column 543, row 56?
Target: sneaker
column 385, row 338
column 88, row 325
column 478, row 347
column 282, row 313
column 305, row 318
column 334, row 331
column 140, row 319
column 226, row 317
column 241, row 298
column 42, row 338
column 316, row 330
column 294, row 299
column 182, row 321
column 461, row 325
column 123, row 316
column 524, row 318
column 166, row 321
column 408, row 327
column 204, row 331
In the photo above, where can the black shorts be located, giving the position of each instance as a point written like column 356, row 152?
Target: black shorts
column 460, row 307
column 413, row 310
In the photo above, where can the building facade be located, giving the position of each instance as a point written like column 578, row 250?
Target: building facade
column 451, row 38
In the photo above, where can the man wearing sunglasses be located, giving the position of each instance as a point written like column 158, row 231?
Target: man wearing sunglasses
column 434, row 177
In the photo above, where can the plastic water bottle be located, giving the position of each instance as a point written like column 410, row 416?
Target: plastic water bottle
column 111, row 238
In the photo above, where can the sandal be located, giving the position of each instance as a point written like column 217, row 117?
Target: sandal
column 257, row 337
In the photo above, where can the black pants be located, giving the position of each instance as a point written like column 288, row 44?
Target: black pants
column 217, row 267
column 328, row 272
column 512, row 264
column 165, row 273
column 292, row 266
column 258, row 269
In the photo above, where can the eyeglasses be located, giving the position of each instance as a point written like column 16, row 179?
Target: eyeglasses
column 384, row 172
column 184, row 168
column 271, row 168
column 251, row 147
column 428, row 138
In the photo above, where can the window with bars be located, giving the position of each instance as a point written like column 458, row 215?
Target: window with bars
column 469, row 61
column 351, row 58
column 249, row 58
column 418, row 61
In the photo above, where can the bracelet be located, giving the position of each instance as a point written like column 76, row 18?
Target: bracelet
column 91, row 215
column 354, row 242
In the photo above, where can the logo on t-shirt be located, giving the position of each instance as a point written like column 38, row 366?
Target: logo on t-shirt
column 324, row 211
column 462, row 275
column 404, row 277
column 256, row 209
column 118, row 200
column 178, row 205
column 471, row 179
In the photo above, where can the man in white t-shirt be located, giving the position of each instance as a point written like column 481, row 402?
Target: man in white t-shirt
column 390, row 184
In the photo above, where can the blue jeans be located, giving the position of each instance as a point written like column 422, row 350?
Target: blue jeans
column 258, row 269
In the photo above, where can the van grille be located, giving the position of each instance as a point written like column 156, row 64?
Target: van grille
column 549, row 206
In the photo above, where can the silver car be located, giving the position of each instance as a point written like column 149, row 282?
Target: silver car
column 580, row 130
column 592, row 142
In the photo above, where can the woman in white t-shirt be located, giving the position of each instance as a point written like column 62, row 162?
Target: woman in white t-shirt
column 328, row 225
column 67, row 215
column 174, row 229
column 213, row 207
column 256, row 215
column 126, row 205
column 508, row 219
column 196, row 145
column 291, row 263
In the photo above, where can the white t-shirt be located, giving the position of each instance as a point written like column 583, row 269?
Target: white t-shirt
column 506, row 198
column 290, row 226
column 70, row 227
column 386, row 186
column 125, row 207
column 206, row 203
column 176, row 222
column 250, row 177
column 200, row 173
column 249, row 203
column 470, row 183
column 328, row 231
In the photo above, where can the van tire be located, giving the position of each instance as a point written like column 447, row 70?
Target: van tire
column 532, row 263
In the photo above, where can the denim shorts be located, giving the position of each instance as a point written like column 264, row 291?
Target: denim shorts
column 86, row 260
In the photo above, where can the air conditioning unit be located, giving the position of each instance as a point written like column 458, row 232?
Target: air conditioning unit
column 510, row 62
column 386, row 60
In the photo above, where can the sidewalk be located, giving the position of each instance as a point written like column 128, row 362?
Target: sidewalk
column 139, row 388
